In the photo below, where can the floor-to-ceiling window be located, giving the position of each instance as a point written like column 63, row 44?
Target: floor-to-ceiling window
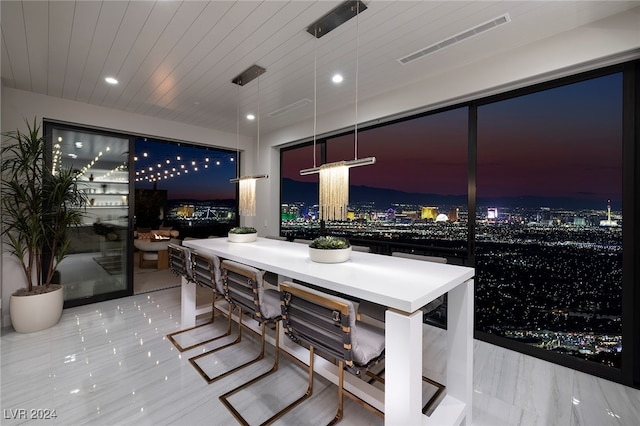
column 547, row 169
column 549, row 219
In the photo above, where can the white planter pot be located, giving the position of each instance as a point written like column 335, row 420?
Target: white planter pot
column 242, row 238
column 37, row 312
column 329, row 256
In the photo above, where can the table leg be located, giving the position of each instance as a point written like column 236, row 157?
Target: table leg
column 460, row 346
column 188, row 302
column 403, row 368
column 163, row 259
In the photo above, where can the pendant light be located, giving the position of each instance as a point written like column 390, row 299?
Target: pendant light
column 247, row 184
column 334, row 177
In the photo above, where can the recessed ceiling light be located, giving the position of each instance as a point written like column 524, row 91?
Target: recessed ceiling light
column 78, row 144
column 337, row 78
column 251, row 117
column 111, row 80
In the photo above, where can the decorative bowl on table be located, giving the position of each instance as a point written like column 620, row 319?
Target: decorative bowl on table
column 242, row 234
column 329, row 249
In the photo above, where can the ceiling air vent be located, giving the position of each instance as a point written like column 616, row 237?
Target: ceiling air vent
column 287, row 108
column 494, row 23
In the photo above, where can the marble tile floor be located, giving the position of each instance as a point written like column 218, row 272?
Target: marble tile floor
column 110, row 364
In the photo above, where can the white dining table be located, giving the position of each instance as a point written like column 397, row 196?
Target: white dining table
column 403, row 286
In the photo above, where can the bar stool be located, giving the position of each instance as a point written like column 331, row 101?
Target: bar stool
column 204, row 271
column 327, row 324
column 244, row 288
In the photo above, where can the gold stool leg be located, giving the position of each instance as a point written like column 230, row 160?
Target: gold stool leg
column 340, row 411
column 435, row 397
column 260, row 356
column 295, row 403
column 171, row 338
column 225, row 397
column 193, row 360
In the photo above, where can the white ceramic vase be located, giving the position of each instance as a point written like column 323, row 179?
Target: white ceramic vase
column 242, row 238
column 329, row 255
column 36, row 312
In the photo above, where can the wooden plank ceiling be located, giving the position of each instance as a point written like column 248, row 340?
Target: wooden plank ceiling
column 175, row 59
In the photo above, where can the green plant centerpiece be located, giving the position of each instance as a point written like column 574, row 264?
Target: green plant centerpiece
column 243, row 234
column 243, row 230
column 39, row 206
column 330, row 249
column 330, row 243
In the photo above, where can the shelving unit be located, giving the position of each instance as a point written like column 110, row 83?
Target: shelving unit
column 108, row 200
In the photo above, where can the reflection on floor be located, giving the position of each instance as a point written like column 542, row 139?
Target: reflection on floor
column 110, row 363
column 89, row 274
column 154, row 280
column 111, row 264
column 151, row 279
column 83, row 276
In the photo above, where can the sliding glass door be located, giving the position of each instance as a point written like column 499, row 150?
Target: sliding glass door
column 98, row 266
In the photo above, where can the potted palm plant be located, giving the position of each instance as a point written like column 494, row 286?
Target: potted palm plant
column 39, row 206
column 329, row 249
column 243, row 234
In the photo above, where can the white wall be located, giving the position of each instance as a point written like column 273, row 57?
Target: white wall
column 606, row 42
column 19, row 105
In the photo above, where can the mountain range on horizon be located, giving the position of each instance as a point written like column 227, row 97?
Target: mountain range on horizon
column 295, row 191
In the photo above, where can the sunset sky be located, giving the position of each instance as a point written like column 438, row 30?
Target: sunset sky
column 563, row 142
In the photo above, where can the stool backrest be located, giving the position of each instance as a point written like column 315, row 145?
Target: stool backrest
column 244, row 286
column 314, row 318
column 206, row 271
column 180, row 260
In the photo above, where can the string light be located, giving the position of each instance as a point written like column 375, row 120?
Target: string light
column 57, row 157
column 167, row 169
column 110, row 175
column 85, row 169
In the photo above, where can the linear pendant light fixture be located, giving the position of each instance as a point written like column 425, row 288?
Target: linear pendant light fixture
column 334, row 177
column 338, row 16
column 247, row 184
